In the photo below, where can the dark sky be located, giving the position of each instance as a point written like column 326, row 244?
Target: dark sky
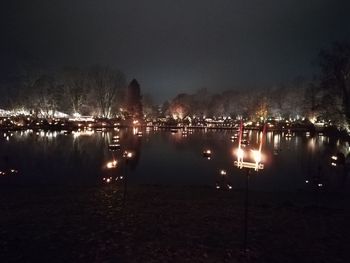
column 173, row 46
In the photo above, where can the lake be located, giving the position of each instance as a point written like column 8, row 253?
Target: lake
column 291, row 163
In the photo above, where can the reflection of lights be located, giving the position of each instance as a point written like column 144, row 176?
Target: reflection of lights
column 320, row 185
column 334, row 157
column 311, row 144
column 111, row 164
column 269, row 137
column 276, row 141
column 234, row 137
column 2, row 173
column 217, row 186
column 333, row 164
column 229, row 187
column 321, row 139
column 113, row 147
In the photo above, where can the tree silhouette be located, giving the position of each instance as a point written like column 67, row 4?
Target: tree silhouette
column 133, row 100
column 106, row 85
column 335, row 73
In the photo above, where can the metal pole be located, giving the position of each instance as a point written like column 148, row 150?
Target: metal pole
column 125, row 182
column 246, row 204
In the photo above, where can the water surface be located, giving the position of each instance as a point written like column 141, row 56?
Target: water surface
column 160, row 157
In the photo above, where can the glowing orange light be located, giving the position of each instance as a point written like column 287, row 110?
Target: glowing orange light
column 240, row 154
column 127, row 154
column 111, row 164
column 256, row 156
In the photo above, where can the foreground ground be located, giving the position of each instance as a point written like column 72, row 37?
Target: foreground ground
column 170, row 224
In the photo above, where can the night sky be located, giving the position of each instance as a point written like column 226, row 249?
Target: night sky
column 174, row 46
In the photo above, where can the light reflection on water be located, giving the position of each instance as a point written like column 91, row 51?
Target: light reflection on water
column 163, row 157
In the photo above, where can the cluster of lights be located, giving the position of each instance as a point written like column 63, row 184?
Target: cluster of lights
column 114, row 146
column 11, row 171
column 111, row 164
column 255, row 155
column 109, row 179
column 207, row 154
column 318, row 185
column 127, row 154
column 334, row 160
column 229, row 187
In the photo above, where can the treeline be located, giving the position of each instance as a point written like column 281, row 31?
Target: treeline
column 98, row 90
column 326, row 97
column 102, row 91
column 288, row 101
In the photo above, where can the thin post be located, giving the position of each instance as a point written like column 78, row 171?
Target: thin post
column 125, row 181
column 246, row 204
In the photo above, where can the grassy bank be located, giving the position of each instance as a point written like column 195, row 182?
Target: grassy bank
column 170, row 224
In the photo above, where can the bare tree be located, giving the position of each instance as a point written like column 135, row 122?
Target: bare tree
column 106, row 85
column 335, row 75
column 75, row 89
column 39, row 93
